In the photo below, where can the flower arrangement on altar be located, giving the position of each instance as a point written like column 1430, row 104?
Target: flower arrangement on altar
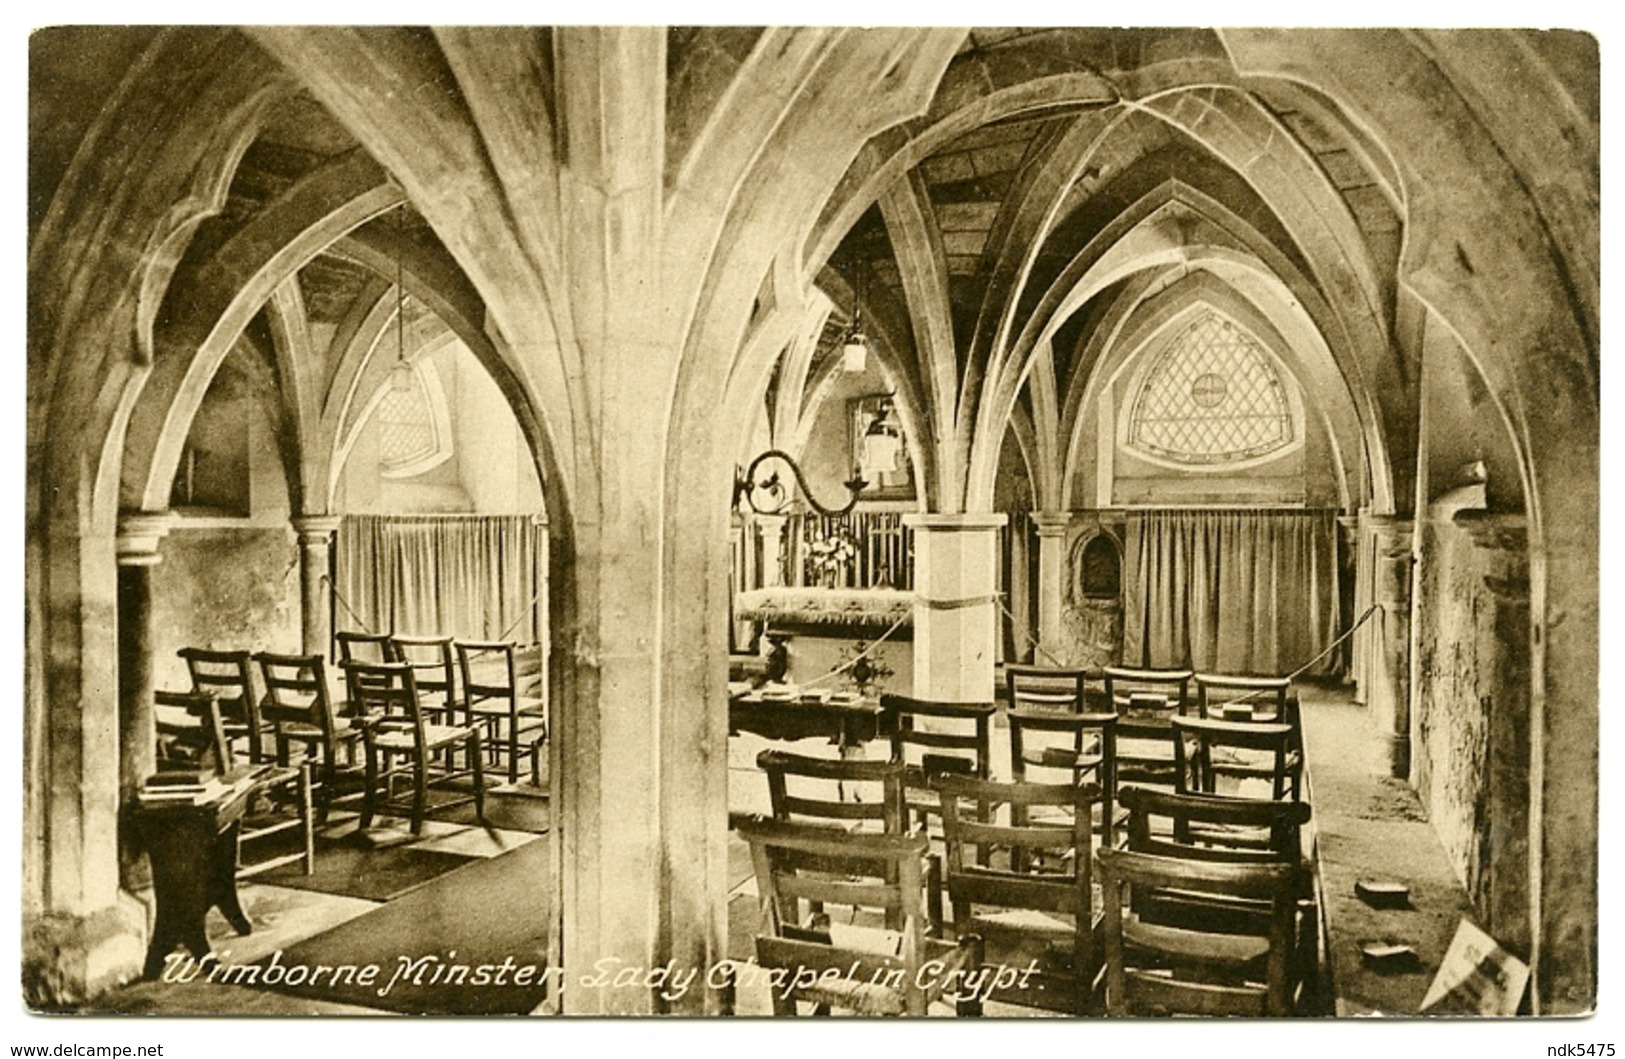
column 830, row 558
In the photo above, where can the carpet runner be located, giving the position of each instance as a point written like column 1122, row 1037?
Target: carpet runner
column 471, row 942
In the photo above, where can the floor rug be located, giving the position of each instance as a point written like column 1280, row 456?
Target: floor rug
column 351, row 870
column 453, row 947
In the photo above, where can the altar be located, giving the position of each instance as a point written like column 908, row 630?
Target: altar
column 838, row 639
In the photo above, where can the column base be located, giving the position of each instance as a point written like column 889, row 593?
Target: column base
column 68, row 959
column 1397, row 754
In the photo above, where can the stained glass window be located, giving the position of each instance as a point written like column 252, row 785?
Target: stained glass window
column 1212, row 397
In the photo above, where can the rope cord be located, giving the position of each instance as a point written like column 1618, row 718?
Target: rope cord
column 346, row 605
column 1031, row 641
column 850, row 662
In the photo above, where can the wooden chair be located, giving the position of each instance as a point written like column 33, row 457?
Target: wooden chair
column 493, row 697
column 191, row 736
column 1160, row 969
column 434, row 667
column 931, row 738
column 1227, row 830
column 299, row 709
column 1240, row 751
column 189, row 732
column 1238, row 698
column 1045, row 687
column 228, row 677
column 363, row 647
column 1145, row 700
column 852, row 795
column 1266, row 699
column 842, row 793
column 1023, row 913
column 1206, row 827
column 858, row 968
column 1087, row 749
column 396, row 727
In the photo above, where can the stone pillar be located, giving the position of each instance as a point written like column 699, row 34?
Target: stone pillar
column 1351, row 587
column 1388, row 690
column 771, row 528
column 315, row 597
column 1503, row 679
column 136, row 549
column 1052, row 575
column 955, row 605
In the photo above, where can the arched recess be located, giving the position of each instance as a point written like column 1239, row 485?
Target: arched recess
column 1094, row 568
column 1288, row 336
column 435, row 282
column 1135, row 242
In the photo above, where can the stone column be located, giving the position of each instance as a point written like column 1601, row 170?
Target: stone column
column 315, row 597
column 1388, row 691
column 955, row 605
column 1052, row 575
column 771, row 528
column 136, row 549
column 1353, row 587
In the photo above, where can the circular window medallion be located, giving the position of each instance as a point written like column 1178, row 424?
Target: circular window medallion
column 1209, row 389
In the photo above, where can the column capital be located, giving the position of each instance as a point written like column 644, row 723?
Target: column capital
column 956, row 523
column 1052, row 523
column 313, row 526
column 138, row 535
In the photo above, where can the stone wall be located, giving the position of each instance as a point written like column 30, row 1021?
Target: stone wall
column 1470, row 707
column 224, row 588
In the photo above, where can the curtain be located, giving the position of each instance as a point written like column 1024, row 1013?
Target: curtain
column 1231, row 591
column 475, row 577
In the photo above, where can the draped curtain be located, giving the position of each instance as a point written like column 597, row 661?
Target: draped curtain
column 1231, row 591
column 475, row 577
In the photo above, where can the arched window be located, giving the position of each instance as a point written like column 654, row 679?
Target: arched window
column 1212, row 397
column 413, row 424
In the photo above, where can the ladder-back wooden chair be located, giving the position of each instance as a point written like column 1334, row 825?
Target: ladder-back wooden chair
column 396, row 727
column 1146, row 700
column 357, row 646
column 1156, row 968
column 228, row 677
column 1045, row 687
column 1086, row 750
column 434, row 668
column 1022, row 912
column 299, row 709
column 1262, row 699
column 1252, row 758
column 495, row 698
column 860, row 967
column 849, row 795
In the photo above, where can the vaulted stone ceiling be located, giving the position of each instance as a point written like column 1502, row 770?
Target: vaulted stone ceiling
column 982, row 235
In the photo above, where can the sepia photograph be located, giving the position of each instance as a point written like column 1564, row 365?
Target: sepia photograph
column 1046, row 522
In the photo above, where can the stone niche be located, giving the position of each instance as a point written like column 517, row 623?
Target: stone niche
column 1092, row 598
